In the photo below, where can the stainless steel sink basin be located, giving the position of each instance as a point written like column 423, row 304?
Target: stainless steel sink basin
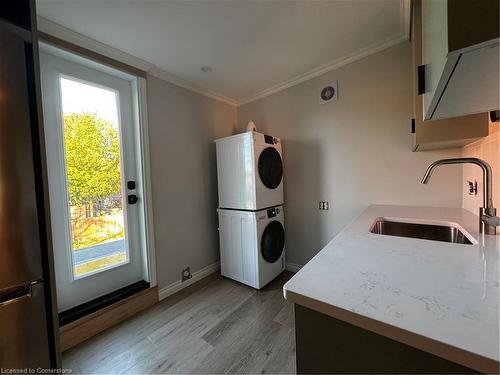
column 444, row 233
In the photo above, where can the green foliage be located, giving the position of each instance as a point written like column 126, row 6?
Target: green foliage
column 92, row 158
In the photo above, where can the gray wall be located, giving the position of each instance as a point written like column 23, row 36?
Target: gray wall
column 353, row 152
column 182, row 127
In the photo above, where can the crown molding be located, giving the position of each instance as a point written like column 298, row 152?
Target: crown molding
column 74, row 37
column 62, row 32
column 335, row 64
column 78, row 39
column 166, row 76
column 403, row 35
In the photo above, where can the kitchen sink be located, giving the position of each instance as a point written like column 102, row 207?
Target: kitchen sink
column 434, row 232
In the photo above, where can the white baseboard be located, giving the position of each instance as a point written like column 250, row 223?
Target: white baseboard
column 293, row 267
column 179, row 285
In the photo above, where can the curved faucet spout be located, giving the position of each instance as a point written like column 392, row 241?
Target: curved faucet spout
column 487, row 212
column 487, row 187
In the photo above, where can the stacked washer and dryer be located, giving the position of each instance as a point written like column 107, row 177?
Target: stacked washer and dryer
column 251, row 223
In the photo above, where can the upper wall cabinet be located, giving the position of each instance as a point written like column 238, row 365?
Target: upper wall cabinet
column 446, row 132
column 460, row 57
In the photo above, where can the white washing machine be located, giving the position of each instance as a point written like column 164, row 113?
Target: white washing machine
column 249, row 171
column 252, row 245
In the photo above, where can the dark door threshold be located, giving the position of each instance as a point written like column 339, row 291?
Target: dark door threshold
column 99, row 303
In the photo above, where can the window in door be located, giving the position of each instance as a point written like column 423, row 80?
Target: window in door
column 92, row 150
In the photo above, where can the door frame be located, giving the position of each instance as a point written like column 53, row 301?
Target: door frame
column 140, row 119
column 145, row 165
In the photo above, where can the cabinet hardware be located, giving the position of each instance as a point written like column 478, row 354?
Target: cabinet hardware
column 421, row 79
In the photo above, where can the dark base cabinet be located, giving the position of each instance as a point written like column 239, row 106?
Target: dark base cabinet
column 326, row 345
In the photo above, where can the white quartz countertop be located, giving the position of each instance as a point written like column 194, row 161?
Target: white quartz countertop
column 440, row 297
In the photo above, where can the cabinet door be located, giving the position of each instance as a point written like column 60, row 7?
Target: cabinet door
column 445, row 133
column 434, row 49
column 473, row 86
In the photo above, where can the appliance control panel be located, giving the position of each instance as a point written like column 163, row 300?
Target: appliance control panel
column 271, row 140
column 272, row 212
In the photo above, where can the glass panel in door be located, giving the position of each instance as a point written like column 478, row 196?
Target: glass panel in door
column 91, row 133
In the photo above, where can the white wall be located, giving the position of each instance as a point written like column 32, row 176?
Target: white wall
column 353, row 152
column 182, row 127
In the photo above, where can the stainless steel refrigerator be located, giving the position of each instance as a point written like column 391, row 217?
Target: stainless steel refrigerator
column 27, row 335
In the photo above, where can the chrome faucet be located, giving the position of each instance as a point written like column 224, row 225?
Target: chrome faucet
column 488, row 221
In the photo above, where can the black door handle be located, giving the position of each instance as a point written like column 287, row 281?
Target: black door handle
column 132, row 199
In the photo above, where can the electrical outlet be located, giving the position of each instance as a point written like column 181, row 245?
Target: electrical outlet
column 323, row 205
column 472, row 187
column 186, row 274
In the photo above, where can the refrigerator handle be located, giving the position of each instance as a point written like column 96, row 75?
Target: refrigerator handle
column 15, row 293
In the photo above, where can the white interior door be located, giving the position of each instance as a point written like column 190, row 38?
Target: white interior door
column 92, row 166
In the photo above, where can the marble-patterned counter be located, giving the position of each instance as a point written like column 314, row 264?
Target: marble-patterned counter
column 442, row 298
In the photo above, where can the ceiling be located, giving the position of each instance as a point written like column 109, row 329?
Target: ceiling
column 253, row 48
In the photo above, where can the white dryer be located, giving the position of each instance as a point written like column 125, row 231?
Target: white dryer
column 249, row 171
column 252, row 245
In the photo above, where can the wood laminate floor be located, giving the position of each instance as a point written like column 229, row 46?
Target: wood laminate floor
column 224, row 327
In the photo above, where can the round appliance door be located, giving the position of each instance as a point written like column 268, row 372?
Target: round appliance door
column 272, row 241
column 270, row 168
